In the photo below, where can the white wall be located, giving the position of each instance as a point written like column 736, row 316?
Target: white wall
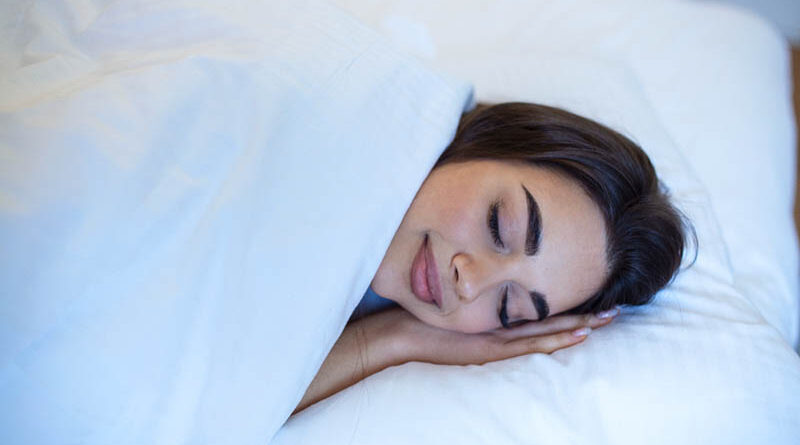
column 784, row 14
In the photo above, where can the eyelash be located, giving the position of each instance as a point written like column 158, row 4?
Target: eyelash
column 494, row 224
column 504, row 310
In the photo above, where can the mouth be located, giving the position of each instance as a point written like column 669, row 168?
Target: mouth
column 425, row 276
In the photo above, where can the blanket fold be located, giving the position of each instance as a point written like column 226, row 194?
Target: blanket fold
column 193, row 197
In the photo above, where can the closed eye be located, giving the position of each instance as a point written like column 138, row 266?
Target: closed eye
column 503, row 315
column 494, row 224
column 504, row 310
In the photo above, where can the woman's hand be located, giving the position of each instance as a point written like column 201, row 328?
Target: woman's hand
column 418, row 341
column 394, row 337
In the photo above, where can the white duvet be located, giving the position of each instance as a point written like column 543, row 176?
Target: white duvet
column 194, row 195
column 193, row 198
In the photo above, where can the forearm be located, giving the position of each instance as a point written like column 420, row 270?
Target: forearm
column 365, row 347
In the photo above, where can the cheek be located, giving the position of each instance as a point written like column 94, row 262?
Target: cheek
column 457, row 221
column 390, row 280
column 474, row 318
column 447, row 206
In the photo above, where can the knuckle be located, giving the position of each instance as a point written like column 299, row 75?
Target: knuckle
column 545, row 345
column 558, row 342
column 548, row 347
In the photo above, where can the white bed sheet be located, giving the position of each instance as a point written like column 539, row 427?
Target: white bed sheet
column 717, row 78
column 709, row 362
column 704, row 89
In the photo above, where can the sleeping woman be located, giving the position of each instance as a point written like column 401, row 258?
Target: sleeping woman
column 534, row 225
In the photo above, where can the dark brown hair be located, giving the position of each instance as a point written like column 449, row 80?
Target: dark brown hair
column 645, row 233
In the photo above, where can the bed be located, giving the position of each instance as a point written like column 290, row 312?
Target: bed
column 167, row 167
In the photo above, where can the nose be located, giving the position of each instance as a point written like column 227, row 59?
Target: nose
column 474, row 276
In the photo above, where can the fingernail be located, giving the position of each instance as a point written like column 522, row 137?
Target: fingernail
column 608, row 314
column 582, row 332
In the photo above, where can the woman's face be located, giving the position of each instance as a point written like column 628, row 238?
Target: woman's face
column 488, row 240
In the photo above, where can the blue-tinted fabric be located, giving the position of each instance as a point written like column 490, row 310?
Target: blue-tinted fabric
column 371, row 303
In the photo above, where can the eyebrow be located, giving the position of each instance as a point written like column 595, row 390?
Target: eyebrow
column 532, row 239
column 534, row 234
column 542, row 308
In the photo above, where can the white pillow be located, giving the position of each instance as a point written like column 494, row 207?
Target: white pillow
column 719, row 87
column 698, row 365
column 194, row 195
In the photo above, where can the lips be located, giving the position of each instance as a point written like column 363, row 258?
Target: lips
column 425, row 276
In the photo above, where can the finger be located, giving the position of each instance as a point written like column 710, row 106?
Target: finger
column 547, row 343
column 559, row 323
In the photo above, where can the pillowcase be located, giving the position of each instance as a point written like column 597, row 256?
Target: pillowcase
column 719, row 88
column 698, row 365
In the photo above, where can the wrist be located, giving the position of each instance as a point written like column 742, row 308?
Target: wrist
column 389, row 338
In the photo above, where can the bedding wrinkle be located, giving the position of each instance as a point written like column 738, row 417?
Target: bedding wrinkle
column 194, row 193
column 690, row 344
